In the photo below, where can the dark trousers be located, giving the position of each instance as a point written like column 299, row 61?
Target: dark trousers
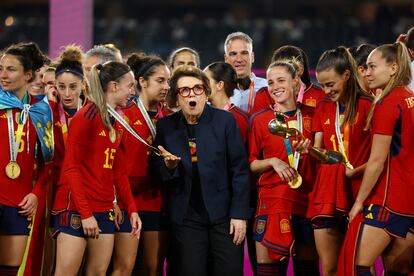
column 201, row 247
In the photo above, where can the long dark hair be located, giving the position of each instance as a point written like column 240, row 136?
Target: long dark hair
column 340, row 60
column 144, row 65
column 289, row 52
column 28, row 54
column 222, row 71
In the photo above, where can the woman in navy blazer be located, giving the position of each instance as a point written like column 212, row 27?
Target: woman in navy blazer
column 206, row 173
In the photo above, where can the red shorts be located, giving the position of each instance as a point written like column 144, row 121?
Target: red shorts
column 329, row 195
column 275, row 232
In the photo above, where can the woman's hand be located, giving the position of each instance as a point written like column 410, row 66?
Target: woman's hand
column 91, row 228
column 285, row 172
column 51, row 92
column 28, row 205
column 349, row 173
column 136, row 225
column 238, row 228
column 356, row 209
column 119, row 216
column 301, row 146
column 171, row 161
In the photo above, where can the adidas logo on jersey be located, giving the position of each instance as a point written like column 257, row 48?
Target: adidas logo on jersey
column 137, row 123
column 102, row 133
column 327, row 122
column 4, row 116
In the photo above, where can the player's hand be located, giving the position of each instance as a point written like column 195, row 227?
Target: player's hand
column 136, row 225
column 171, row 161
column 356, row 209
column 28, row 205
column 285, row 172
column 349, row 173
column 51, row 92
column 301, row 146
column 238, row 228
column 91, row 228
column 119, row 216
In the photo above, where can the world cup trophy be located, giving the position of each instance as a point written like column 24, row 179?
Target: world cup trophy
column 279, row 127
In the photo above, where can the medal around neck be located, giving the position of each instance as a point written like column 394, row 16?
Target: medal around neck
column 12, row 170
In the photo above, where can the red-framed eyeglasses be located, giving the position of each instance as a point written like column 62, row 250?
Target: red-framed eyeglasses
column 185, row 91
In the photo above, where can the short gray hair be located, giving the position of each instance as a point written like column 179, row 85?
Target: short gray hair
column 103, row 53
column 238, row 35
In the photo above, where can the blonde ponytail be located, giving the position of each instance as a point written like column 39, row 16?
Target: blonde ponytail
column 97, row 95
column 392, row 53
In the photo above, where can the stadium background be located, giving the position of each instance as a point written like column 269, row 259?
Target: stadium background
column 158, row 26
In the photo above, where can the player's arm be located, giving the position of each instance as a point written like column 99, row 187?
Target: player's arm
column 379, row 153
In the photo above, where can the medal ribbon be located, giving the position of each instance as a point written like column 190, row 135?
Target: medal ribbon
column 122, row 121
column 339, row 136
column 14, row 144
column 146, row 118
column 294, row 157
column 63, row 122
column 251, row 96
column 227, row 106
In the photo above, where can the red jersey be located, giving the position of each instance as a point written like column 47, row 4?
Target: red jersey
column 146, row 189
column 93, row 164
column 357, row 146
column 242, row 119
column 275, row 195
column 12, row 191
column 59, row 152
column 311, row 97
column 262, row 100
column 394, row 116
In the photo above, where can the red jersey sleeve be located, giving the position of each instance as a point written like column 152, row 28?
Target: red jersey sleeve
column 122, row 186
column 262, row 100
column 76, row 147
column 254, row 141
column 242, row 121
column 44, row 172
column 384, row 118
column 316, row 121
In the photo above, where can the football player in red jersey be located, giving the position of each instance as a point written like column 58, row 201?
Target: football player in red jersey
column 223, row 81
column 308, row 94
column 65, row 84
column 281, row 228
column 386, row 193
column 69, row 85
column 93, row 165
column 338, row 124
column 19, row 198
column 152, row 75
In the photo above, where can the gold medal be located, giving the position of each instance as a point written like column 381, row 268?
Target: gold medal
column 112, row 135
column 13, row 170
column 296, row 182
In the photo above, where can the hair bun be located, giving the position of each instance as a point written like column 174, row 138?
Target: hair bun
column 72, row 53
column 33, row 51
